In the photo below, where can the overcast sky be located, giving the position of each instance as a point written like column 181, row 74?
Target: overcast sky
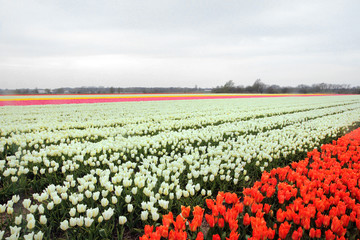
column 182, row 43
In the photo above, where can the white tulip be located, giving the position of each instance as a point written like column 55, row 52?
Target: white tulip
column 80, row 221
column 96, row 196
column 114, row 200
column 88, row 221
column 15, row 198
column 72, row 212
column 122, row 220
column 95, row 212
column 107, row 214
column 130, row 208
column 18, row 219
column 104, row 193
column 2, row 208
column 26, row 203
column 14, row 230
column 81, row 208
column 118, row 190
column 144, row 215
column 88, row 194
column 50, row 205
column 39, row 236
column 73, row 222
column 64, row 225
column 29, row 236
column 128, row 199
column 104, row 202
column 10, row 210
column 155, row 216
column 31, row 224
column 43, row 219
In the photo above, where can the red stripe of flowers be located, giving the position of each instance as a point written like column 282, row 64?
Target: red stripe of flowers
column 318, row 197
column 135, row 99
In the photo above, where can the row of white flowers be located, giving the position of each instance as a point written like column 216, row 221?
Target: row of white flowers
column 103, row 174
column 146, row 117
column 44, row 138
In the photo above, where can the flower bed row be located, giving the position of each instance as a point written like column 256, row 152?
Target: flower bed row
column 318, row 197
column 25, row 100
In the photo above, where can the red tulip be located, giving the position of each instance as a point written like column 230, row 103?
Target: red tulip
column 200, row 236
column 271, row 233
column 280, row 215
column 233, row 224
column 284, row 230
column 312, row 233
column 266, row 208
column 246, row 220
column 239, row 207
column 326, row 220
column 329, row 235
column 216, row 237
column 221, row 222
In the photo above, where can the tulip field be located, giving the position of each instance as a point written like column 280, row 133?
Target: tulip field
column 224, row 168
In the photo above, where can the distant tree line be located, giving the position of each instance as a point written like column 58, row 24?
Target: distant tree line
column 260, row 87
column 228, row 87
column 102, row 90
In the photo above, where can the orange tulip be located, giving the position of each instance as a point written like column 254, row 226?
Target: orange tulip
column 233, row 236
column 233, row 224
column 248, row 200
column 210, row 220
column 209, row 203
column 168, row 219
column 198, row 211
column 185, row 211
column 163, row 231
column 195, row 223
column 148, row 229
column 179, row 224
column 231, row 198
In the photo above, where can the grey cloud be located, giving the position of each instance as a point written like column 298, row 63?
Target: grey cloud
column 211, row 41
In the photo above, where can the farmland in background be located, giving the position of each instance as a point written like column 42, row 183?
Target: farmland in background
column 86, row 166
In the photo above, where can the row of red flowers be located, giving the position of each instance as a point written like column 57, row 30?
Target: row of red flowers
column 318, row 197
